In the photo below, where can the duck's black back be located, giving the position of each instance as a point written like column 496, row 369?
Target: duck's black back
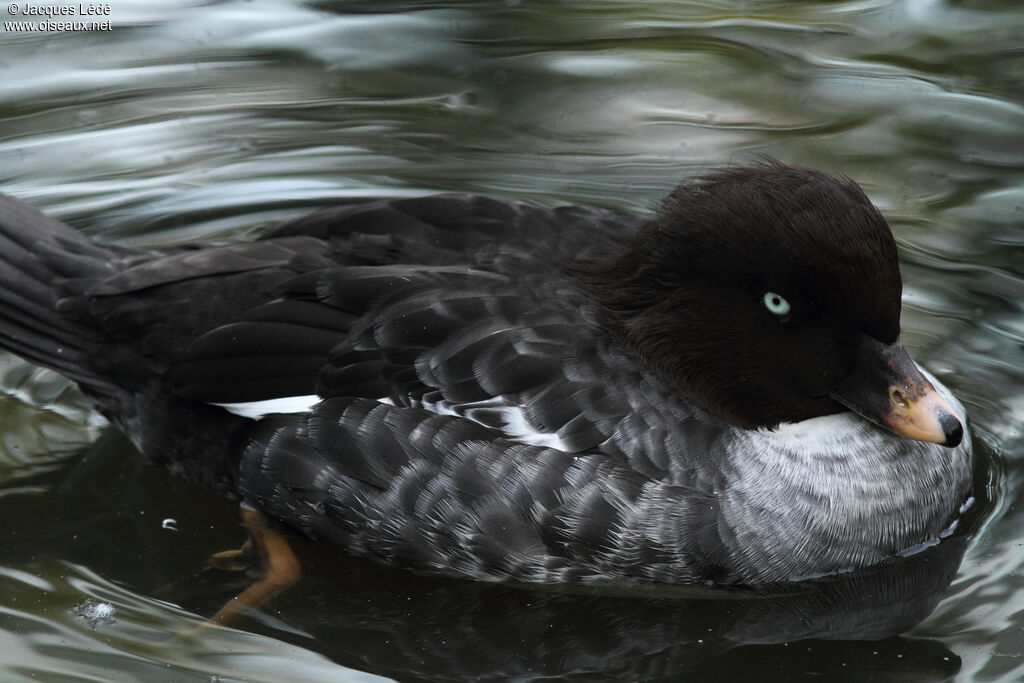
column 449, row 300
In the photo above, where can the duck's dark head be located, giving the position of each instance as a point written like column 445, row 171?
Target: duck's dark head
column 771, row 294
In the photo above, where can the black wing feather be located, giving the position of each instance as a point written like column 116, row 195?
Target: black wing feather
column 490, row 325
column 460, row 498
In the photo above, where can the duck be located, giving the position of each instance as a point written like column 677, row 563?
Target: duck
column 714, row 394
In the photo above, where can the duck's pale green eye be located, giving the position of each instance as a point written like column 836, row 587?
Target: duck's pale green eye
column 776, row 303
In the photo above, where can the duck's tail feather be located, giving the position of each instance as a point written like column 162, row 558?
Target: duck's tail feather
column 42, row 263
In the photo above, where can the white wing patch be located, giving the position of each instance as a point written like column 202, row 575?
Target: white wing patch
column 258, row 409
column 501, row 414
column 496, row 413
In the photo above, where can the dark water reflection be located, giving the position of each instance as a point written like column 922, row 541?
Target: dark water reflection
column 214, row 120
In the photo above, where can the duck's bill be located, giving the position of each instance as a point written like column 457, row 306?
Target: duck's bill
column 887, row 388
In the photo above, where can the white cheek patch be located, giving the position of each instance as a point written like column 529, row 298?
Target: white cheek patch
column 258, row 409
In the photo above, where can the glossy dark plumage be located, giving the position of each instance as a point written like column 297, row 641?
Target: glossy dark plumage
column 495, row 404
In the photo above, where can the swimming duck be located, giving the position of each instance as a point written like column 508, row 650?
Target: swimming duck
column 499, row 390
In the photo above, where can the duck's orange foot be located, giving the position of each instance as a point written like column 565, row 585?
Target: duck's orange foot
column 245, row 559
column 265, row 551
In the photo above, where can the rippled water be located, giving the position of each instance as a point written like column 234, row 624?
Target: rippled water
column 211, row 121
